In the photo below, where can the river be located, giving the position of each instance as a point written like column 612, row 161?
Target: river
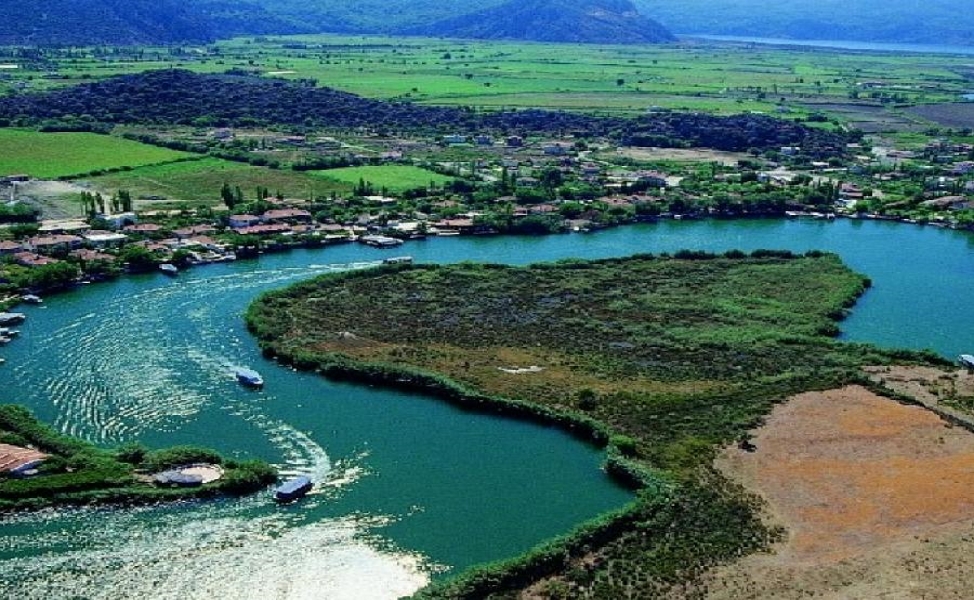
column 410, row 488
column 837, row 44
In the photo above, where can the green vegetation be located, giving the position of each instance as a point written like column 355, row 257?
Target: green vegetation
column 664, row 359
column 199, row 182
column 392, row 178
column 79, row 473
column 53, row 155
column 723, row 78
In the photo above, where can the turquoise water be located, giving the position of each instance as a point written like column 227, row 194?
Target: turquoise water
column 409, row 487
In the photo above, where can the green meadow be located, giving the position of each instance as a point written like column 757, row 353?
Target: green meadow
column 53, row 155
column 394, row 178
column 200, row 181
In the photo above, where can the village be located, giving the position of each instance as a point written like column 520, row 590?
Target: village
column 513, row 186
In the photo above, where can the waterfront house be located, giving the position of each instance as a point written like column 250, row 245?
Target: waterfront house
column 267, row 229
column 15, row 460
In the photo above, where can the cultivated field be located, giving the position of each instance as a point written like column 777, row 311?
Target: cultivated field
column 394, row 178
column 958, row 114
column 200, row 181
column 53, row 155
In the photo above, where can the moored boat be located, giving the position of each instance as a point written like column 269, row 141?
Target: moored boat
column 293, row 489
column 966, row 360
column 11, row 318
column 169, row 269
column 397, row 260
column 32, row 299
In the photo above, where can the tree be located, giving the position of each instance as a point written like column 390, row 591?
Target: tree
column 226, row 194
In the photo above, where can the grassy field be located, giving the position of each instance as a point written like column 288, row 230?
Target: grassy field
column 716, row 77
column 53, row 155
column 394, row 178
column 200, row 181
column 666, row 358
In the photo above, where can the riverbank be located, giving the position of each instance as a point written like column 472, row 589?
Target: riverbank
column 699, row 364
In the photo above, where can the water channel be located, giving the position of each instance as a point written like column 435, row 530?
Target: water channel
column 410, row 488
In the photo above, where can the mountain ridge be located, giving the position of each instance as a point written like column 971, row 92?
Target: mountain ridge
column 581, row 21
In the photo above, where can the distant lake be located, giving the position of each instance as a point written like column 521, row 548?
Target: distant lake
column 838, row 44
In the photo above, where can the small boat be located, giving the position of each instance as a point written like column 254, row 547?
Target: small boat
column 32, row 299
column 249, row 377
column 8, row 332
column 397, row 260
column 12, row 318
column 293, row 489
column 966, row 360
column 169, row 269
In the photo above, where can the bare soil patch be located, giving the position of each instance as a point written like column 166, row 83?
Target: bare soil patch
column 691, row 155
column 877, row 498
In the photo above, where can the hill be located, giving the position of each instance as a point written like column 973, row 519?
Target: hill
column 894, row 21
column 580, row 21
column 80, row 22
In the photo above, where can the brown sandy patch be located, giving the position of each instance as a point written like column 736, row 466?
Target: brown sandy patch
column 877, row 498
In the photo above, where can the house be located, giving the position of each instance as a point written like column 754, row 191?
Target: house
column 286, row 215
column 120, row 220
column 241, row 221
column 142, row 228
column 515, row 141
column 16, row 460
column 54, row 243
column 9, row 247
column 947, row 203
column 85, row 255
column 484, row 140
column 555, row 149
column 455, row 139
column 30, row 259
column 68, row 226
column 195, row 230
column 105, row 239
column 455, row 225
column 268, row 229
column 651, row 178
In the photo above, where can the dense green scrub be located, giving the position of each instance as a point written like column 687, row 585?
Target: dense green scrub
column 665, row 359
column 77, row 472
